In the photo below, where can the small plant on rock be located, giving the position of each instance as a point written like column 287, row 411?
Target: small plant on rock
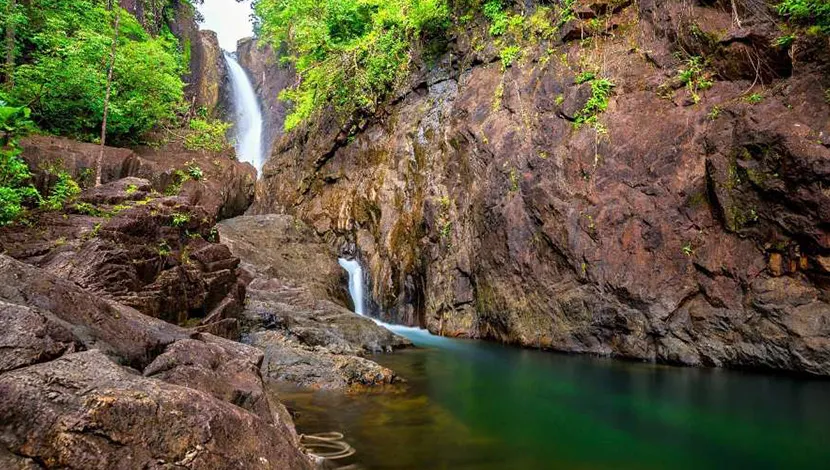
column 194, row 171
column 180, row 219
column 694, row 77
column 509, row 55
column 754, row 98
column 601, row 89
column 64, row 191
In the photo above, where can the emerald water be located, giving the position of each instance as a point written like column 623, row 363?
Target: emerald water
column 477, row 405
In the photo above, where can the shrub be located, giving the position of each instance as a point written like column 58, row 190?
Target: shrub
column 180, row 219
column 694, row 77
column 494, row 11
column 210, row 135
column 15, row 189
column 807, row 12
column 194, row 171
column 601, row 89
column 64, row 190
column 509, row 55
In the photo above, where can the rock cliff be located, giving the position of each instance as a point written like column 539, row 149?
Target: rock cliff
column 689, row 226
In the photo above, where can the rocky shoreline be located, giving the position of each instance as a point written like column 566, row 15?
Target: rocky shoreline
column 122, row 313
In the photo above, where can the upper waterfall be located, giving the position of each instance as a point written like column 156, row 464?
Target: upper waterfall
column 247, row 115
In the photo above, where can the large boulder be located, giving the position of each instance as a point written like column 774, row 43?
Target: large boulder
column 110, row 385
column 93, row 414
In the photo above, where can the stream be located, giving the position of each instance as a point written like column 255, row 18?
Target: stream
column 478, row 405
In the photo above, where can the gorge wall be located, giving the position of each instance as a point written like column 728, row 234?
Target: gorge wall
column 690, row 227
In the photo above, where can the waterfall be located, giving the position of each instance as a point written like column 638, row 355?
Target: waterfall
column 352, row 266
column 247, row 114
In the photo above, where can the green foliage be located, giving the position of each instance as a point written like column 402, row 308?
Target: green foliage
column 15, row 189
column 687, row 249
column 807, row 12
column 494, row 11
column 164, row 249
column 180, row 219
column 349, row 54
column 508, row 55
column 714, row 113
column 131, row 188
column 63, row 49
column 585, row 76
column 694, row 77
column 754, row 98
column 210, row 135
column 194, row 171
column 784, row 41
column 179, row 177
column 601, row 89
column 86, row 208
column 64, row 191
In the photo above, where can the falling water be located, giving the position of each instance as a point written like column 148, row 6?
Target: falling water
column 248, row 116
column 352, row 266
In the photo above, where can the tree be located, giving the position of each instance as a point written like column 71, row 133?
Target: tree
column 99, row 162
column 10, row 31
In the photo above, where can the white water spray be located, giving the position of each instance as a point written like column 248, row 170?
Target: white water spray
column 248, row 116
column 352, row 266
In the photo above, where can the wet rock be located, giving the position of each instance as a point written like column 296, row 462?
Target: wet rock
column 316, row 367
column 275, row 304
column 94, row 414
column 282, row 247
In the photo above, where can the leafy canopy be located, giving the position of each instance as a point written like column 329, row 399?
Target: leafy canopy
column 349, row 54
column 61, row 56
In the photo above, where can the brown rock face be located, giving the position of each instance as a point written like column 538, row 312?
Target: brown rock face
column 93, row 414
column 128, row 242
column 178, row 398
column 680, row 231
column 209, row 73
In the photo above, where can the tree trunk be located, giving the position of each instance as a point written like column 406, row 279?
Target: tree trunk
column 10, row 31
column 100, row 160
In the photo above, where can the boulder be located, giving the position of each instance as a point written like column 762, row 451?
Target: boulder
column 93, row 414
column 318, row 367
